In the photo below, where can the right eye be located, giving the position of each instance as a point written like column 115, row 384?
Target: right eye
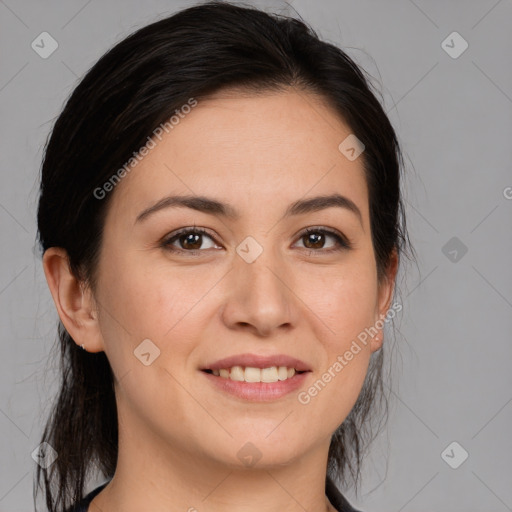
column 190, row 240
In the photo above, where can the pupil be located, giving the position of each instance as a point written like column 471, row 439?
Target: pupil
column 317, row 237
column 190, row 238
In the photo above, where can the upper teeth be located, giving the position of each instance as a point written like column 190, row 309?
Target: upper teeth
column 250, row 374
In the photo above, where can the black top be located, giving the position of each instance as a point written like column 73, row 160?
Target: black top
column 331, row 491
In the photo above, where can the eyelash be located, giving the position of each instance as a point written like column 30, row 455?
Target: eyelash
column 342, row 242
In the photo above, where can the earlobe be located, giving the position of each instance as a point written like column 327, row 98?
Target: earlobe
column 377, row 340
column 74, row 301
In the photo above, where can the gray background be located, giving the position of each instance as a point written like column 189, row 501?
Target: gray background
column 451, row 362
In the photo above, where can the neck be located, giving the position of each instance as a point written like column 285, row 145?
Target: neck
column 153, row 475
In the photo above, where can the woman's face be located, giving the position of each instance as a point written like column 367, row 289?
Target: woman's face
column 254, row 284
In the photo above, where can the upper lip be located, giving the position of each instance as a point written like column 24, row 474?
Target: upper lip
column 257, row 361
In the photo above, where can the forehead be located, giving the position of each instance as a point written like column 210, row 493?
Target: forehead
column 245, row 148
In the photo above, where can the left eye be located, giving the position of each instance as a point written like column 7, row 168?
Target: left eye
column 316, row 236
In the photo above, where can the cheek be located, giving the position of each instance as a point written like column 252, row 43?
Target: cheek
column 147, row 297
column 141, row 303
column 149, row 301
column 343, row 301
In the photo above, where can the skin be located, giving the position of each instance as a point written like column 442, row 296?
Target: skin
column 178, row 435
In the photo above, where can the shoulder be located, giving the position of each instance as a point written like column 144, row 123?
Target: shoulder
column 336, row 498
column 83, row 504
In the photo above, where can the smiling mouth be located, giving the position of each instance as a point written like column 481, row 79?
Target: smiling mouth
column 252, row 374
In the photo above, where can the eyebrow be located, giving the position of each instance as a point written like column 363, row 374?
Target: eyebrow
column 214, row 207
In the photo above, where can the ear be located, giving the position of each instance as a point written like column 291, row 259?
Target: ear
column 74, row 301
column 385, row 295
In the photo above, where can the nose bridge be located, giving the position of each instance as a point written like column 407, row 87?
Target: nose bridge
column 259, row 294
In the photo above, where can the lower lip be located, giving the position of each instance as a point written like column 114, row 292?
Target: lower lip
column 258, row 391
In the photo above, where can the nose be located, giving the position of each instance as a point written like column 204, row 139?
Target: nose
column 260, row 299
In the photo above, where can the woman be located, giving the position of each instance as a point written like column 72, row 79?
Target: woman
column 221, row 222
